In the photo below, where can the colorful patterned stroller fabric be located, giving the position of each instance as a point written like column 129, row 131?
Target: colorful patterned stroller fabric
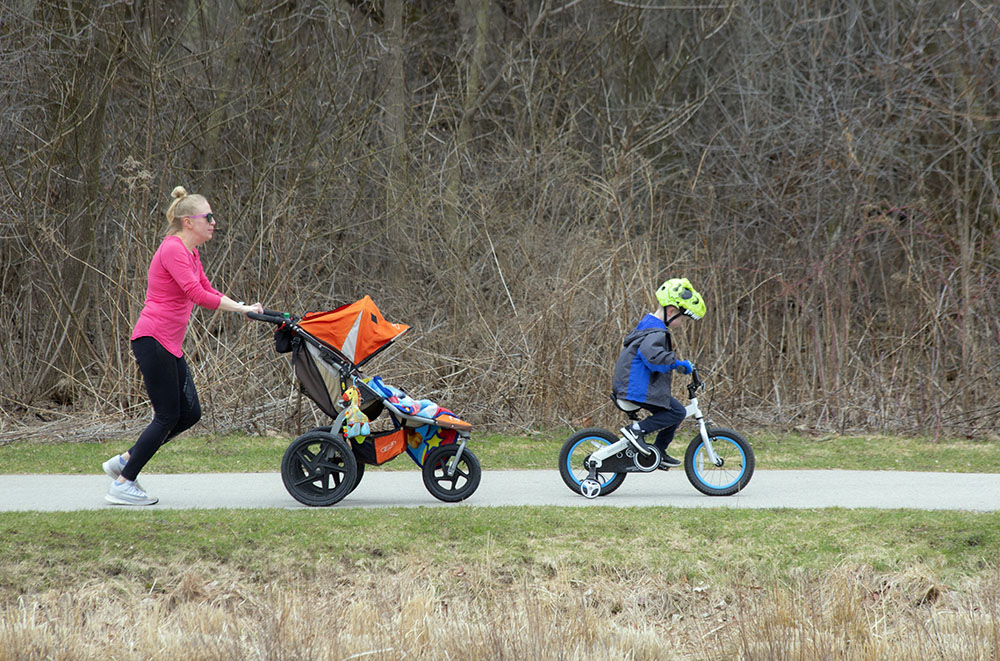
column 325, row 464
column 423, row 410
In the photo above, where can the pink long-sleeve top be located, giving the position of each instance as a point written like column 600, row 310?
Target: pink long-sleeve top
column 176, row 282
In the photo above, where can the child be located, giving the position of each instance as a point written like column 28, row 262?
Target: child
column 642, row 372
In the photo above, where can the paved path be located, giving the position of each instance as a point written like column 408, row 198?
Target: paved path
column 768, row 489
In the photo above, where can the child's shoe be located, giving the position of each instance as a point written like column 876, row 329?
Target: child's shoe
column 667, row 462
column 634, row 435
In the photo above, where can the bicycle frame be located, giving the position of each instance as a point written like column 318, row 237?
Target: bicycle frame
column 692, row 410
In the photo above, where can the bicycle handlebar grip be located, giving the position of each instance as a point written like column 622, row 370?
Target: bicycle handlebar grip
column 696, row 381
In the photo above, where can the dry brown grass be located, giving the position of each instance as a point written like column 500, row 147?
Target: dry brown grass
column 415, row 611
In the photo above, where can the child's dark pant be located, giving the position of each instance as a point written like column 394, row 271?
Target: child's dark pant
column 173, row 396
column 664, row 419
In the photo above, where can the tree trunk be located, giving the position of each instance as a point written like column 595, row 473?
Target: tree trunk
column 473, row 20
column 395, row 111
column 81, row 156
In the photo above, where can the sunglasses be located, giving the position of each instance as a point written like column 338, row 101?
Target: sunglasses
column 209, row 217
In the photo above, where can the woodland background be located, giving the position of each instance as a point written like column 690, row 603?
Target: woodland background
column 512, row 178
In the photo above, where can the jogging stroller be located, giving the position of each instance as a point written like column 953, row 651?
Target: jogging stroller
column 322, row 466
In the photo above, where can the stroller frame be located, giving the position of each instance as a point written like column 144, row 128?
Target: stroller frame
column 324, row 465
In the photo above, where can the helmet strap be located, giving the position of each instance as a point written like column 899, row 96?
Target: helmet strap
column 671, row 319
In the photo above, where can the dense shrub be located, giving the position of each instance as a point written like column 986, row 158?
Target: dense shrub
column 513, row 178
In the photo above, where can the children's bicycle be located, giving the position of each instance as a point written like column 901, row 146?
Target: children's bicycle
column 718, row 462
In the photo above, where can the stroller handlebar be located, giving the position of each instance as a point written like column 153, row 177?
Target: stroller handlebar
column 270, row 316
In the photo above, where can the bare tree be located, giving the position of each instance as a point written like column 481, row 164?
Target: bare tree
column 514, row 179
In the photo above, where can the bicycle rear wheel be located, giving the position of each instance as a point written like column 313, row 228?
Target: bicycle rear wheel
column 576, row 449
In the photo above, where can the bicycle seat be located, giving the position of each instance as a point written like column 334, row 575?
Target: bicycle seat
column 625, row 405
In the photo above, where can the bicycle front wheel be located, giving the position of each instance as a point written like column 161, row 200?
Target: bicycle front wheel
column 727, row 478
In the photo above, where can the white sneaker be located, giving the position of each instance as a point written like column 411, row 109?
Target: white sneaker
column 128, row 493
column 113, row 468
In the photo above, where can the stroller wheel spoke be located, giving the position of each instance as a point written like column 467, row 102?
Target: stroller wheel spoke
column 458, row 486
column 308, row 479
column 328, row 467
column 459, row 475
column 306, row 458
column 319, row 468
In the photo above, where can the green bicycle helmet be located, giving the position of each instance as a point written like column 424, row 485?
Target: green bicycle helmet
column 679, row 293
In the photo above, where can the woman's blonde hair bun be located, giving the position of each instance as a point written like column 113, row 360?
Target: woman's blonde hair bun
column 184, row 204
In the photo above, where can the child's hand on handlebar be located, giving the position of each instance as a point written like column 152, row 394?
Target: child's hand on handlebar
column 683, row 366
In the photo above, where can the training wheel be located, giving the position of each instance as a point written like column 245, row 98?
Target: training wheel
column 590, row 488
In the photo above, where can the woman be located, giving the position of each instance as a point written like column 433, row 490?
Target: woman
column 176, row 282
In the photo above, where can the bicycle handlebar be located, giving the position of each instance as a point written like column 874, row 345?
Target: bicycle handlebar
column 695, row 383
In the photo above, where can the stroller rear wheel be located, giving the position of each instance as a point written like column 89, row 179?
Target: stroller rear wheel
column 458, row 486
column 319, row 469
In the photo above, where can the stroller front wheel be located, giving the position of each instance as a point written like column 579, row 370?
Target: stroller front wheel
column 319, row 469
column 461, row 484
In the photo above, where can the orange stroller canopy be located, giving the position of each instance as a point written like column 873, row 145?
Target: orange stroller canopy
column 356, row 330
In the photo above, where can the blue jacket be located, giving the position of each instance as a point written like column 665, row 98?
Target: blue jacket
column 642, row 372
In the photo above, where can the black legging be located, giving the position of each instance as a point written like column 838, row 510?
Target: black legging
column 173, row 396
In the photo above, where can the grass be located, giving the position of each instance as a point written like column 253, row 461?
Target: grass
column 877, row 453
column 45, row 551
column 482, row 583
column 238, row 453
column 509, row 582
